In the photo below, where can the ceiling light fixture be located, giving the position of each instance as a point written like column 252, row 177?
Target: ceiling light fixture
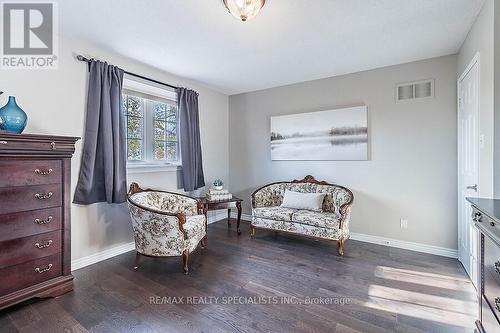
column 244, row 9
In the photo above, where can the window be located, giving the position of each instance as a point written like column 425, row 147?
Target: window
column 152, row 122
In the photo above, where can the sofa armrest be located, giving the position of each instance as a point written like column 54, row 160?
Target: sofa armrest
column 345, row 217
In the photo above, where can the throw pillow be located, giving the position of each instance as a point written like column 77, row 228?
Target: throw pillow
column 298, row 200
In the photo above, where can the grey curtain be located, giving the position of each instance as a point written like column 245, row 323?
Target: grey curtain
column 192, row 166
column 103, row 167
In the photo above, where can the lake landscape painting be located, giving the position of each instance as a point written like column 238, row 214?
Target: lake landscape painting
column 339, row 134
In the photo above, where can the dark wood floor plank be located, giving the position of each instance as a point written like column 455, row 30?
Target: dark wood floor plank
column 387, row 290
column 7, row 325
column 23, row 316
column 54, row 318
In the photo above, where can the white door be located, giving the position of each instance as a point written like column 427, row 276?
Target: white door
column 468, row 165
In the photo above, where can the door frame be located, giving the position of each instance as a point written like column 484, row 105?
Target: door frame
column 476, row 60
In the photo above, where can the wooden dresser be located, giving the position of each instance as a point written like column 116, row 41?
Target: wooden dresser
column 486, row 216
column 35, row 198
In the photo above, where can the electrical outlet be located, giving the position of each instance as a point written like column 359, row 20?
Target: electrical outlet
column 404, row 223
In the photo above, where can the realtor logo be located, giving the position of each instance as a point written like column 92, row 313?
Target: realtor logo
column 29, row 39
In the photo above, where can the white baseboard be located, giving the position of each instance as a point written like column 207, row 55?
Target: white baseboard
column 102, row 255
column 217, row 217
column 418, row 247
column 244, row 217
column 406, row 245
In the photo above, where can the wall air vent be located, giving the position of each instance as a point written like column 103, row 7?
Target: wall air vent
column 414, row 90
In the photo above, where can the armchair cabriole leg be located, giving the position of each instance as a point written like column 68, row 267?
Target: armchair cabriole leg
column 252, row 232
column 137, row 260
column 185, row 260
column 341, row 243
column 203, row 243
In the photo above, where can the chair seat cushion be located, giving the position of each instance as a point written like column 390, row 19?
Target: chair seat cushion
column 195, row 226
column 316, row 219
column 274, row 213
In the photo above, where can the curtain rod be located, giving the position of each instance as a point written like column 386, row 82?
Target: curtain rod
column 87, row 60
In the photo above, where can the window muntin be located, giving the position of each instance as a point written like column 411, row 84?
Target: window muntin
column 152, row 124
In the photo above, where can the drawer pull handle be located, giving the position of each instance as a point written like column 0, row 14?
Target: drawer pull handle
column 497, row 267
column 492, row 224
column 43, row 270
column 497, row 303
column 43, row 246
column 43, row 196
column 53, row 145
column 43, row 172
column 477, row 217
column 3, row 142
column 39, row 221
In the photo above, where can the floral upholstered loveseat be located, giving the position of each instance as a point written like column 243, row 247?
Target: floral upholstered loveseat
column 331, row 223
column 165, row 224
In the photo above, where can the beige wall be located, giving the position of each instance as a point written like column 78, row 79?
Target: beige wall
column 55, row 103
column 480, row 39
column 412, row 170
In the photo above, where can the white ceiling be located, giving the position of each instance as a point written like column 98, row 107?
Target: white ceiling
column 289, row 41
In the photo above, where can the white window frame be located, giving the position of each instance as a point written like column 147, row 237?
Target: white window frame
column 149, row 164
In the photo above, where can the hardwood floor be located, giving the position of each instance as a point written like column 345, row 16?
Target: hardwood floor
column 383, row 289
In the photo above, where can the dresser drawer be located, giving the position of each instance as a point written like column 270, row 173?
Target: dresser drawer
column 17, row 251
column 23, row 198
column 33, row 144
column 30, row 172
column 489, row 226
column 491, row 291
column 29, row 273
column 492, row 260
column 17, row 225
column 489, row 322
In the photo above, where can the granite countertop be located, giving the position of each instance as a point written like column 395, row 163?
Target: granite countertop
column 490, row 207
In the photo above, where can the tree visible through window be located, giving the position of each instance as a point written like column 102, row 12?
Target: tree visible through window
column 165, row 122
column 152, row 129
column 133, row 107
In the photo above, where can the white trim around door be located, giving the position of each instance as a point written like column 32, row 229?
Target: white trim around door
column 468, row 163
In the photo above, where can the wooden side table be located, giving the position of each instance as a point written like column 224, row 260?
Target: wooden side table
column 223, row 204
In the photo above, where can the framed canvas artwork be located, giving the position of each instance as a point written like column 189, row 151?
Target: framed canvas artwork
column 337, row 135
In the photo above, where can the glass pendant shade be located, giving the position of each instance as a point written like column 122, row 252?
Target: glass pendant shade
column 244, row 9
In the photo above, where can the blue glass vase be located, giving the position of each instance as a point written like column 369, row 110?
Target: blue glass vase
column 12, row 117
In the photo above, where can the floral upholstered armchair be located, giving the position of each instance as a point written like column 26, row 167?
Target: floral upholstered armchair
column 165, row 224
column 331, row 223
